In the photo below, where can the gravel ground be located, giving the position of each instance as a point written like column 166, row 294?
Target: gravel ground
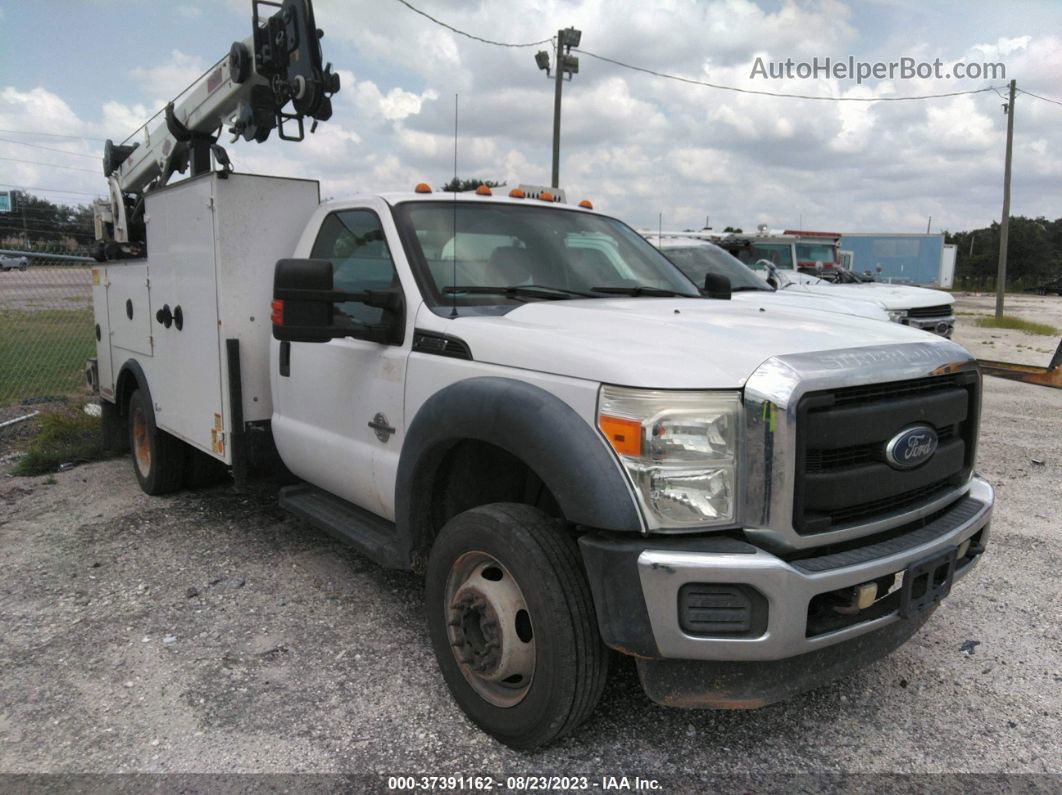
column 1007, row 345
column 209, row 632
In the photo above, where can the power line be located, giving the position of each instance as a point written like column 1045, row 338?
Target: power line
column 1045, row 99
column 722, row 87
column 470, row 35
column 48, row 190
column 52, row 135
column 50, row 165
column 705, row 83
column 48, row 148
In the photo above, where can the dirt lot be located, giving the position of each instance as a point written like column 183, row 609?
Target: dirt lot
column 1007, row 345
column 209, row 632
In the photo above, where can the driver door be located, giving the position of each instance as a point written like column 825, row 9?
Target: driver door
column 338, row 411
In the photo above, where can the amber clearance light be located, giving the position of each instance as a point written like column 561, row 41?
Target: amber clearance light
column 625, row 436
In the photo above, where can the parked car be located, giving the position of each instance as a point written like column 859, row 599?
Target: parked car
column 9, row 263
column 1048, row 287
column 697, row 258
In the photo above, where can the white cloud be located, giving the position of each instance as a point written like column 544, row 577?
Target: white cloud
column 164, row 81
column 638, row 145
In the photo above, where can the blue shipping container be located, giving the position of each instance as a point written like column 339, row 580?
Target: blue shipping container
column 914, row 259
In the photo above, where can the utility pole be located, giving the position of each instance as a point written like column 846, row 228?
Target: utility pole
column 929, row 223
column 558, row 84
column 563, row 63
column 1004, row 227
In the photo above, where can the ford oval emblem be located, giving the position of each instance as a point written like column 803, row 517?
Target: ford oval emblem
column 911, row 447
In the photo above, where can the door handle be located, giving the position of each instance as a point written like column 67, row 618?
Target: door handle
column 382, row 427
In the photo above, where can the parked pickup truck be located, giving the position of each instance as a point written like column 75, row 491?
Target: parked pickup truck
column 530, row 404
column 918, row 307
column 698, row 257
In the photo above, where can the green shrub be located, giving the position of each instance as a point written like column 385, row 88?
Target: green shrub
column 66, row 436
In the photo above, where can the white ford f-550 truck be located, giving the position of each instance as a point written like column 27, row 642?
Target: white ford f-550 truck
column 531, row 404
column 527, row 401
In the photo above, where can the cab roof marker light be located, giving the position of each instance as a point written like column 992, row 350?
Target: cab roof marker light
column 483, row 190
column 586, row 203
column 423, row 187
column 516, row 193
column 545, row 196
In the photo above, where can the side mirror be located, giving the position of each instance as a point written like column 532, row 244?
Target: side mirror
column 717, row 286
column 304, row 302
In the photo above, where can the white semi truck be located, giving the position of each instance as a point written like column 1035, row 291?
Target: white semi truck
column 530, row 404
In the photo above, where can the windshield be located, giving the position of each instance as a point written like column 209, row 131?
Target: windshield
column 779, row 254
column 696, row 261
column 815, row 252
column 543, row 252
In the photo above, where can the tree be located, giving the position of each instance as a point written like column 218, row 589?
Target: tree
column 1034, row 253
column 39, row 225
column 735, row 230
column 457, row 185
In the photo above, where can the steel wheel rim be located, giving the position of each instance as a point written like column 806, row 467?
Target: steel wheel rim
column 141, row 442
column 489, row 628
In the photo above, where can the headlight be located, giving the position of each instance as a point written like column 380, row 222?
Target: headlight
column 897, row 315
column 679, row 448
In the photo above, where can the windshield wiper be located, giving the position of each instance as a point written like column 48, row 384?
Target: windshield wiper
column 746, row 287
column 517, row 291
column 654, row 292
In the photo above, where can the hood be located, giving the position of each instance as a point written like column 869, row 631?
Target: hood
column 793, row 299
column 666, row 343
column 891, row 296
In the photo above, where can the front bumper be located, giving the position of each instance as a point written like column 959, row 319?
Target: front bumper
column 637, row 585
column 944, row 326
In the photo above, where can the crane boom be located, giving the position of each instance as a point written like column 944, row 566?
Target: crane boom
column 248, row 90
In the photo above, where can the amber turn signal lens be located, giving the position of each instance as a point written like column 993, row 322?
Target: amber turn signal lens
column 625, row 436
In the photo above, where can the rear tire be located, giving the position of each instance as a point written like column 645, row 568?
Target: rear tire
column 512, row 623
column 158, row 458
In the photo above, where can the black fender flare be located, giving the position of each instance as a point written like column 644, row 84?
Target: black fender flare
column 131, row 369
column 536, row 427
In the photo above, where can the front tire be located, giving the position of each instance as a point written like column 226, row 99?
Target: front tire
column 512, row 624
column 158, row 458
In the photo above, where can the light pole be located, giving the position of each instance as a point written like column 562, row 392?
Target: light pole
column 565, row 64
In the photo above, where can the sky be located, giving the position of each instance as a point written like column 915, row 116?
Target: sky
column 640, row 147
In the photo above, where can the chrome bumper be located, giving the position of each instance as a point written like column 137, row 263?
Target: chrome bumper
column 788, row 589
column 944, row 326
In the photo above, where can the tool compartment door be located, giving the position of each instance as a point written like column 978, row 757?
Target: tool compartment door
column 102, row 331
column 186, row 372
column 129, row 307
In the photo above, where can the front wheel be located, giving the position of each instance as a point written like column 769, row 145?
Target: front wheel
column 512, row 624
column 158, row 458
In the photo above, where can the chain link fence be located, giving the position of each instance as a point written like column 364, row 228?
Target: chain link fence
column 46, row 336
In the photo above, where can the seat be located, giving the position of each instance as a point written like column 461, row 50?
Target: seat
column 508, row 266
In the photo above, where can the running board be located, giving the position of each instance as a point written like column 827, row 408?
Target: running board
column 369, row 534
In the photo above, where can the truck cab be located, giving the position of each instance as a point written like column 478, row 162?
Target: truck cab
column 531, row 405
